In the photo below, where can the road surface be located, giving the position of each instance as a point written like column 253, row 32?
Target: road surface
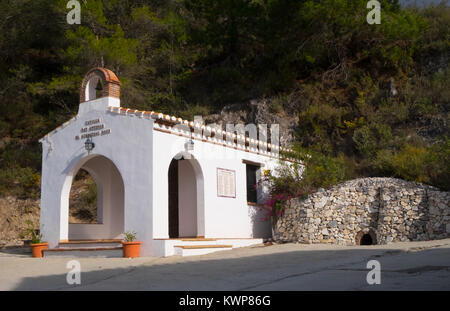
column 404, row 266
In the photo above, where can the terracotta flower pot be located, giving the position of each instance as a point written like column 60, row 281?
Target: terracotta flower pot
column 131, row 249
column 36, row 249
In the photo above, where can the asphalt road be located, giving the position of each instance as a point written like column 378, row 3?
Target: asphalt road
column 404, row 266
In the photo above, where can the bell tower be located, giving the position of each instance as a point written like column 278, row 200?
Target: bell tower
column 100, row 89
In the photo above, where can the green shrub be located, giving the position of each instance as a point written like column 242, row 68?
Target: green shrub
column 90, row 196
column 195, row 110
column 20, row 181
column 438, row 165
column 32, row 233
column 83, row 198
column 323, row 171
column 409, row 163
column 276, row 104
column 283, row 184
column 129, row 236
column 416, row 163
column 369, row 139
column 33, row 181
column 4, row 128
column 312, row 170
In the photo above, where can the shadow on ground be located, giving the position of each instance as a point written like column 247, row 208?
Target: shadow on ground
column 16, row 250
column 337, row 269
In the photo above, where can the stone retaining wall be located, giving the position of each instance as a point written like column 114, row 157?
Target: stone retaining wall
column 387, row 209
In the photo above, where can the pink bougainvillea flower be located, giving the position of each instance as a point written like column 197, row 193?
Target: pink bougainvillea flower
column 270, row 202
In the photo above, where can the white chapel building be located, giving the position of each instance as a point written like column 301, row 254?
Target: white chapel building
column 184, row 187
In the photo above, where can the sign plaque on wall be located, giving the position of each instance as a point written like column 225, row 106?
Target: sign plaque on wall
column 226, row 183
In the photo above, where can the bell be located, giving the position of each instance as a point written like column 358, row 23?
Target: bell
column 99, row 86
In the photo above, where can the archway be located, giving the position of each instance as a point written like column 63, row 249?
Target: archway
column 83, row 200
column 186, row 210
column 110, row 200
column 93, row 88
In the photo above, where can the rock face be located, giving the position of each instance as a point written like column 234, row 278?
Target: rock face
column 382, row 210
column 259, row 112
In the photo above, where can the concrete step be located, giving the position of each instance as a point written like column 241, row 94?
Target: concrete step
column 169, row 244
column 109, row 252
column 215, row 241
column 193, row 242
column 240, row 242
column 194, row 250
column 196, row 239
column 90, row 244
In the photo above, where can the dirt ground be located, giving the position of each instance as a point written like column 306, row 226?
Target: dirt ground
column 14, row 214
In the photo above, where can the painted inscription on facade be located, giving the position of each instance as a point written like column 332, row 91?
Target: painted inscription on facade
column 93, row 128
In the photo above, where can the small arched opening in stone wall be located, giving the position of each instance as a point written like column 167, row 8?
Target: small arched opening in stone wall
column 366, row 238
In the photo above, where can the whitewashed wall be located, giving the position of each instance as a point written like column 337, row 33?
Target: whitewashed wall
column 129, row 147
column 142, row 157
column 223, row 217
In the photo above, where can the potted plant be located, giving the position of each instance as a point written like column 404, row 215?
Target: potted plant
column 37, row 244
column 130, row 246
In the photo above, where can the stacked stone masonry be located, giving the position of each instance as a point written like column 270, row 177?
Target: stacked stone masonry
column 387, row 209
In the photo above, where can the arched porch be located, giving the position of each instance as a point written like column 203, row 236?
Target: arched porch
column 110, row 200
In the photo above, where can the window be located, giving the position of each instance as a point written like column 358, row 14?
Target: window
column 251, row 183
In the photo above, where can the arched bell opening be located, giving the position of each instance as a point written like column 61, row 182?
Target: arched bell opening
column 99, row 82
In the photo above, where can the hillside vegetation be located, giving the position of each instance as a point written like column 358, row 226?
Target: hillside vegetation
column 371, row 100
